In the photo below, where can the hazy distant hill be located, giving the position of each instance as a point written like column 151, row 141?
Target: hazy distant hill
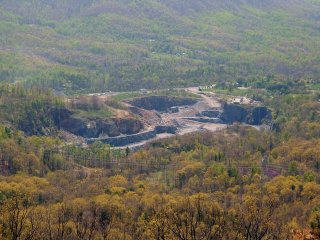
column 95, row 45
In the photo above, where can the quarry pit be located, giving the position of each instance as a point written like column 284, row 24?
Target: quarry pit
column 164, row 116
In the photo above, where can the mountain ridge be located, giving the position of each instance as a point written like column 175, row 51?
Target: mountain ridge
column 123, row 45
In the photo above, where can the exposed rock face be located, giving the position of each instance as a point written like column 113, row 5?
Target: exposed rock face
column 62, row 118
column 233, row 113
column 42, row 121
column 166, row 129
column 211, row 113
column 161, row 103
column 245, row 114
column 107, row 127
column 95, row 128
column 73, row 125
column 128, row 125
column 134, row 138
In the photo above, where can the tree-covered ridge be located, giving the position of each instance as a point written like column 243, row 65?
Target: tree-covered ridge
column 241, row 182
column 203, row 187
column 123, row 45
column 238, row 183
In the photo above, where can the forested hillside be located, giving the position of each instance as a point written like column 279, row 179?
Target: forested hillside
column 200, row 186
column 98, row 45
column 235, row 157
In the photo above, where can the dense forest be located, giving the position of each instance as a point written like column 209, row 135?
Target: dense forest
column 87, row 46
column 241, row 182
column 238, row 183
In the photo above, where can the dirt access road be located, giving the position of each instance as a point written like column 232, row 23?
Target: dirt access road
column 184, row 119
column 179, row 119
column 211, row 102
column 205, row 103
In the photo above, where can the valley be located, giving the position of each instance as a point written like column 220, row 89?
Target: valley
column 159, row 120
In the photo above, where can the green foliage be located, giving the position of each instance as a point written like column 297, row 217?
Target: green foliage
column 90, row 46
column 315, row 221
column 237, row 183
column 29, row 110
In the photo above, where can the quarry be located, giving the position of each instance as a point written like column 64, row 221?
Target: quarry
column 150, row 117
